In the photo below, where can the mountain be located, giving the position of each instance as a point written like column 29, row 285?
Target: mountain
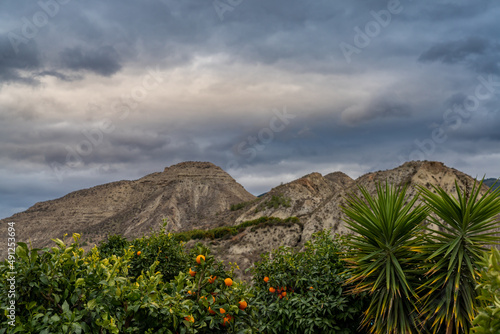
column 491, row 182
column 317, row 201
column 189, row 195
column 201, row 195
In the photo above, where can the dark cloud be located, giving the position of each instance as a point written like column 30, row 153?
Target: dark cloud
column 477, row 53
column 372, row 113
column 455, row 51
column 104, row 60
column 17, row 66
column 58, row 75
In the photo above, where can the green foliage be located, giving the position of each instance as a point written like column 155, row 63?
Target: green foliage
column 225, row 231
column 275, row 202
column 238, row 206
column 313, row 282
column 465, row 229
column 383, row 258
column 114, row 245
column 162, row 248
column 488, row 317
column 61, row 290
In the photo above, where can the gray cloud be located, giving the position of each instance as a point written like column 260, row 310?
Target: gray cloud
column 476, row 53
column 455, row 51
column 104, row 60
column 222, row 78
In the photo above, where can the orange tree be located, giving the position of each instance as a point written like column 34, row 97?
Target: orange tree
column 161, row 247
column 63, row 290
column 303, row 292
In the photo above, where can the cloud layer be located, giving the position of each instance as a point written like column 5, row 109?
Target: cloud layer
column 93, row 92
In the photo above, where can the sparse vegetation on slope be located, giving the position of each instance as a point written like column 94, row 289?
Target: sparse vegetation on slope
column 275, row 202
column 225, row 231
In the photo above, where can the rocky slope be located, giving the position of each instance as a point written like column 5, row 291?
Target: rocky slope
column 317, row 201
column 199, row 195
column 188, row 194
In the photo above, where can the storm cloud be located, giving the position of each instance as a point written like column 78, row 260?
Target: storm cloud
column 94, row 92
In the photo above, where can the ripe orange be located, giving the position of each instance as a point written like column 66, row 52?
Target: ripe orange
column 139, row 253
column 311, row 288
column 242, row 305
column 227, row 318
column 189, row 318
column 266, row 279
column 210, row 310
column 211, row 279
column 192, row 273
column 228, row 281
column 272, row 290
column 222, row 311
column 281, row 296
column 283, row 293
column 189, row 292
column 198, row 258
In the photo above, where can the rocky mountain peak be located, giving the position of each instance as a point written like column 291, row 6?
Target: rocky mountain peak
column 192, row 166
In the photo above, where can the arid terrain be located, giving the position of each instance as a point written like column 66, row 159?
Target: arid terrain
column 200, row 195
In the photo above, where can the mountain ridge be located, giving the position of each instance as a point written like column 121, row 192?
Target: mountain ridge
column 200, row 195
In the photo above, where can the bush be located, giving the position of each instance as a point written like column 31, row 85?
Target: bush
column 159, row 247
column 488, row 317
column 275, row 202
column 308, row 293
column 60, row 290
column 114, row 245
column 238, row 206
column 225, row 231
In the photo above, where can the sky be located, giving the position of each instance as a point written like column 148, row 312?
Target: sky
column 99, row 91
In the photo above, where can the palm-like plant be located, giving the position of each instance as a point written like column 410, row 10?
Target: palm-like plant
column 384, row 258
column 465, row 227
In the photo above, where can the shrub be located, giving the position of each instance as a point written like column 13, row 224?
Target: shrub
column 310, row 284
column 465, row 229
column 488, row 318
column 383, row 257
column 159, row 247
column 113, row 245
column 238, row 206
column 225, row 231
column 275, row 202
column 60, row 290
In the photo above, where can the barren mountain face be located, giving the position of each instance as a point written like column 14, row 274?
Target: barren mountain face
column 200, row 195
column 188, row 194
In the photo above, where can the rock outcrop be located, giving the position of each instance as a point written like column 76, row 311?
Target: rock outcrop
column 200, row 195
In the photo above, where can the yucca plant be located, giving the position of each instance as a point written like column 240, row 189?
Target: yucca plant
column 385, row 256
column 465, row 228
